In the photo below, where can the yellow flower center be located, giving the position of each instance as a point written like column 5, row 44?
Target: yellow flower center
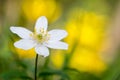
column 40, row 36
column 43, row 36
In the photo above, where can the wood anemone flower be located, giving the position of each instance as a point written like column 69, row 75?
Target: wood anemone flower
column 40, row 39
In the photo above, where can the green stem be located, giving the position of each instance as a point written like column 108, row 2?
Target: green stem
column 36, row 61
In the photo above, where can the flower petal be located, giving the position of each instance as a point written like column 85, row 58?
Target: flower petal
column 41, row 23
column 42, row 50
column 57, row 45
column 25, row 44
column 21, row 32
column 57, row 34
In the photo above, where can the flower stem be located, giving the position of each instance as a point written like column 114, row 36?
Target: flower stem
column 36, row 61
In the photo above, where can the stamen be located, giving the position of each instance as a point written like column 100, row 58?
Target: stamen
column 42, row 30
column 42, row 37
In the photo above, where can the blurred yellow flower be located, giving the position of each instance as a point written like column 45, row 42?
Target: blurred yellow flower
column 87, row 29
column 25, row 53
column 58, row 59
column 35, row 8
column 87, row 61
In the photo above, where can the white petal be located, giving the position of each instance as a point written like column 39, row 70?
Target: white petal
column 41, row 23
column 21, row 32
column 24, row 44
column 42, row 50
column 57, row 45
column 57, row 34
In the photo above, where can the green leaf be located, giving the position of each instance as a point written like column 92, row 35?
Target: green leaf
column 54, row 72
column 113, row 73
column 77, row 75
column 14, row 74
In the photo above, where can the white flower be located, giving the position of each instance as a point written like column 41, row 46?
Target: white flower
column 40, row 39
